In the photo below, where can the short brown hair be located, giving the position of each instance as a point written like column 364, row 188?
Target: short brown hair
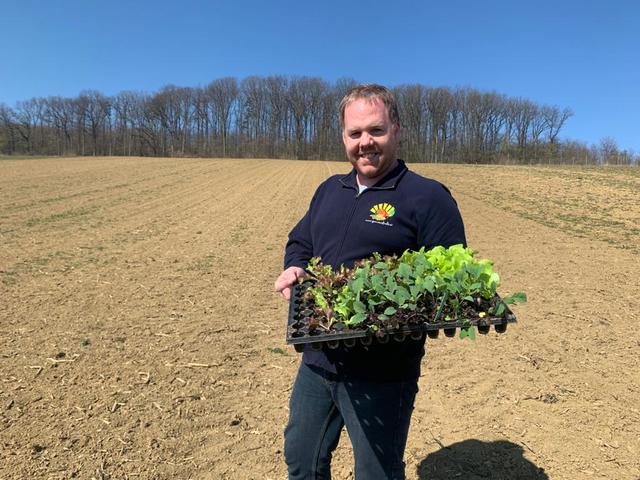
column 371, row 91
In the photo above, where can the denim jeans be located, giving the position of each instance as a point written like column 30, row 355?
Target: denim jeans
column 376, row 416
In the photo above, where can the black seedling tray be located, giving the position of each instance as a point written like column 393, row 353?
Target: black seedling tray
column 299, row 334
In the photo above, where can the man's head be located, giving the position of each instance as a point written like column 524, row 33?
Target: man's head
column 370, row 131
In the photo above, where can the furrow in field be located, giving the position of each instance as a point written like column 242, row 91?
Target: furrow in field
column 86, row 210
column 50, row 182
column 77, row 190
column 206, row 189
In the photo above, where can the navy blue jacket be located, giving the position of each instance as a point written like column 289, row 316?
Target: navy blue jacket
column 402, row 211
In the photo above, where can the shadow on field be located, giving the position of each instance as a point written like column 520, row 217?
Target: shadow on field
column 476, row 460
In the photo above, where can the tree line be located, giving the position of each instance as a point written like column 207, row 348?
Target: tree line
column 293, row 117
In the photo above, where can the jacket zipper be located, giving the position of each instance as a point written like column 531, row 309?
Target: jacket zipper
column 348, row 224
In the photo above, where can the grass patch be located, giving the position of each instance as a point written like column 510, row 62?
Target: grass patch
column 72, row 214
column 9, row 278
column 204, row 264
column 239, row 233
column 277, row 350
column 66, row 261
column 590, row 202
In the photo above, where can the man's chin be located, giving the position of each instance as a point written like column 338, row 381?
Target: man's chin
column 367, row 169
column 368, row 172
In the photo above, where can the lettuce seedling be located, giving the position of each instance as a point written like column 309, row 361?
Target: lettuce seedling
column 382, row 291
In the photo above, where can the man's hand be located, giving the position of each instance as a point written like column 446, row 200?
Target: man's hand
column 286, row 279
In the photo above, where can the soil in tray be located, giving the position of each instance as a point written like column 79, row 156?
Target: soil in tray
column 307, row 323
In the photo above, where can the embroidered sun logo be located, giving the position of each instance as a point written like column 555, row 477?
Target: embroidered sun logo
column 382, row 211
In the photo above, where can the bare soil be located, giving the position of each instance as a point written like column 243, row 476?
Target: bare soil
column 140, row 338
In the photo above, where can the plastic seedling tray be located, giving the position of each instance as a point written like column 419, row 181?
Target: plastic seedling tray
column 301, row 332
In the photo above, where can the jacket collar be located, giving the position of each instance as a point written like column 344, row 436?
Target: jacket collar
column 388, row 182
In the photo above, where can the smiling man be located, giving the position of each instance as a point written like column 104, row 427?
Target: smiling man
column 380, row 206
column 371, row 135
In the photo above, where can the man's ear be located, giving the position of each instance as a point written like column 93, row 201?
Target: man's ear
column 396, row 128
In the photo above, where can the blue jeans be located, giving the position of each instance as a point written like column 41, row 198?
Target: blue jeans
column 376, row 416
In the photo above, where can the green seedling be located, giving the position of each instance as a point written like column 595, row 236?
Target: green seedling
column 388, row 291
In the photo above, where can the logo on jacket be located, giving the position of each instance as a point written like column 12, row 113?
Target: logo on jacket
column 381, row 212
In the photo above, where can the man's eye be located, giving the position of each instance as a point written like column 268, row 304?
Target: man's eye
column 354, row 134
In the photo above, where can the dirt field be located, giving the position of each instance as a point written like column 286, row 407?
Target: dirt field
column 140, row 338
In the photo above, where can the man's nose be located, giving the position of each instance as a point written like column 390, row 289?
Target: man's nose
column 365, row 139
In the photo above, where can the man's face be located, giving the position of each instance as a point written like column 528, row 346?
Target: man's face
column 370, row 139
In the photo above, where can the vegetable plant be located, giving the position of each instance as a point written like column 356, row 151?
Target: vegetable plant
column 441, row 284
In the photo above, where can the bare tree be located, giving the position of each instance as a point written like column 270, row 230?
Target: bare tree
column 94, row 113
column 292, row 117
column 253, row 115
column 29, row 116
column 412, row 103
column 60, row 113
column 299, row 107
column 277, row 88
column 440, row 102
column 125, row 112
column 523, row 112
column 608, row 151
column 7, row 129
column 555, row 120
column 222, row 95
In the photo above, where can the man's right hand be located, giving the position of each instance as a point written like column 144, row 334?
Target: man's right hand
column 286, row 279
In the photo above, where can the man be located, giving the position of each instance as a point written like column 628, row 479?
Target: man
column 380, row 206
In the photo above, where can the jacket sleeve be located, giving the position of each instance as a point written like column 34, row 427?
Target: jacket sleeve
column 440, row 223
column 299, row 248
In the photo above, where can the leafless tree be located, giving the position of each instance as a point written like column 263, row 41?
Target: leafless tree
column 222, row 95
column 60, row 113
column 252, row 119
column 555, row 120
column 293, row 117
column 277, row 88
column 608, row 151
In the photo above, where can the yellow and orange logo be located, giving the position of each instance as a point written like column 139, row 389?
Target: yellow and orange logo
column 382, row 211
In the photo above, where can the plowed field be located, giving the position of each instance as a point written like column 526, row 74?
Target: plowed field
column 140, row 337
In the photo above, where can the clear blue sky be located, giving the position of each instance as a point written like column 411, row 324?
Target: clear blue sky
column 579, row 54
